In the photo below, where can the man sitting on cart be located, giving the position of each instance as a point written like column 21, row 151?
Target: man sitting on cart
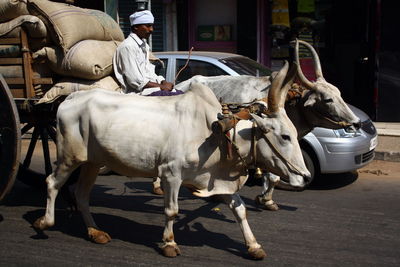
column 133, row 69
column 131, row 63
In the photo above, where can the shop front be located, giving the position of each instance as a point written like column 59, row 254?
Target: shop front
column 343, row 33
column 227, row 26
column 346, row 35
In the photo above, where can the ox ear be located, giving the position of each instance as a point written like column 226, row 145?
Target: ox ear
column 310, row 101
column 260, row 123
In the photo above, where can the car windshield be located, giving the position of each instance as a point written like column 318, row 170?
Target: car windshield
column 246, row 66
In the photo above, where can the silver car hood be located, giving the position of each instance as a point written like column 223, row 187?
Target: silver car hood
column 359, row 113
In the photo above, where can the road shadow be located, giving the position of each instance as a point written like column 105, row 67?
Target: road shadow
column 145, row 187
column 143, row 202
column 186, row 232
column 328, row 181
column 68, row 222
column 187, row 228
column 136, row 197
column 198, row 235
column 252, row 206
column 24, row 195
column 333, row 181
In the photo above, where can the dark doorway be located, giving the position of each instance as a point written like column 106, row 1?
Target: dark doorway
column 348, row 58
column 182, row 10
column 247, row 28
column 389, row 62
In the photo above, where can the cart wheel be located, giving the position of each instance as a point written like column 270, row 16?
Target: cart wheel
column 38, row 144
column 38, row 151
column 10, row 139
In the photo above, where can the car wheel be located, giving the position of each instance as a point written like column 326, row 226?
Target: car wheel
column 309, row 164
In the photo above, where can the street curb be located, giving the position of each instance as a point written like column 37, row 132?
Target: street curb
column 388, row 147
column 387, row 156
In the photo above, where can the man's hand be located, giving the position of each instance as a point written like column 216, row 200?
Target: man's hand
column 166, row 86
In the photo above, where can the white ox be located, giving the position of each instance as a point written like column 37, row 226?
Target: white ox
column 320, row 105
column 170, row 137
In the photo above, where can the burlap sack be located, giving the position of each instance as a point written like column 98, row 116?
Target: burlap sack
column 14, row 33
column 68, row 24
column 34, row 27
column 89, row 59
column 10, row 51
column 68, row 86
column 10, row 9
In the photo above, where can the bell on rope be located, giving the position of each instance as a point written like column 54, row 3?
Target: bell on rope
column 258, row 173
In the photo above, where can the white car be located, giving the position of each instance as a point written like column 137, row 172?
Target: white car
column 324, row 150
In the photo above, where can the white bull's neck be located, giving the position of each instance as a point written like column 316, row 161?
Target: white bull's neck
column 241, row 135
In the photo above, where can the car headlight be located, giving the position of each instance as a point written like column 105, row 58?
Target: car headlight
column 348, row 132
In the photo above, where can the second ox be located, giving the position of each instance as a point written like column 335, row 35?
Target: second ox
column 319, row 105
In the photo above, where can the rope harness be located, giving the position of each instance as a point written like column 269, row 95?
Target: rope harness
column 228, row 121
column 342, row 124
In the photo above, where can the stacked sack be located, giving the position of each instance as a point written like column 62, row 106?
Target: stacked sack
column 77, row 44
column 14, row 15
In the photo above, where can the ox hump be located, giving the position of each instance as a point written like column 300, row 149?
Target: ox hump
column 204, row 92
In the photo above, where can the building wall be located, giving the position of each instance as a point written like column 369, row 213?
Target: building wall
column 204, row 15
column 157, row 40
column 247, row 26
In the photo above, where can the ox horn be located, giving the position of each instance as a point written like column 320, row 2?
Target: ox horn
column 317, row 64
column 287, row 84
column 274, row 95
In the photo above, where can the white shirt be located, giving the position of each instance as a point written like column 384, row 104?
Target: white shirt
column 132, row 67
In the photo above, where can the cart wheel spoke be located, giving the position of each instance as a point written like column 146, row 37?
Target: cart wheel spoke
column 46, row 152
column 32, row 145
column 52, row 133
column 26, row 128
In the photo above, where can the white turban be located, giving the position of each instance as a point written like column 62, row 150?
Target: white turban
column 141, row 17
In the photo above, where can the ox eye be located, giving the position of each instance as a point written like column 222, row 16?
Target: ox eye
column 329, row 100
column 285, row 137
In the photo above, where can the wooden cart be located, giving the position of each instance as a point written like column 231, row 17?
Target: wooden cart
column 19, row 115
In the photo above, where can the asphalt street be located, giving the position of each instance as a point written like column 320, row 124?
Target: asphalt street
column 350, row 219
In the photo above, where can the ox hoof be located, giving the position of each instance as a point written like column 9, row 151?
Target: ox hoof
column 273, row 207
column 41, row 224
column 171, row 251
column 257, row 253
column 270, row 206
column 98, row 237
column 158, row 191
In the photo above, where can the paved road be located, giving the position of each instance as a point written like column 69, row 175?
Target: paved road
column 346, row 220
